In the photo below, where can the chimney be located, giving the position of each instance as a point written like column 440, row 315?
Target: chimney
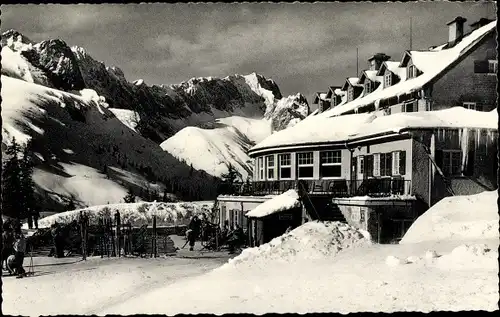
column 376, row 60
column 480, row 23
column 455, row 30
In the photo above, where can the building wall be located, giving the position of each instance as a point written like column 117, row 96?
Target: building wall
column 462, row 84
column 234, row 211
column 387, row 147
column 421, row 168
column 425, row 174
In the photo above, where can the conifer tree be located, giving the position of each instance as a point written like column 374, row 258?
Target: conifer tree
column 12, row 196
column 130, row 197
column 27, row 184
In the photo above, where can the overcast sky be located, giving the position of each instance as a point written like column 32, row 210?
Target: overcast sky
column 303, row 47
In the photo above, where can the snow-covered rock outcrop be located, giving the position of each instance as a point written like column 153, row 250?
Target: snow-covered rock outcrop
column 288, row 111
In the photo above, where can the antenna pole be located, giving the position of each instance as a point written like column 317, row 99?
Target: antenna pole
column 357, row 63
column 411, row 33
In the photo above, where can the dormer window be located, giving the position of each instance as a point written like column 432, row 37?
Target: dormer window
column 387, row 79
column 368, row 87
column 492, row 66
column 350, row 93
column 412, row 71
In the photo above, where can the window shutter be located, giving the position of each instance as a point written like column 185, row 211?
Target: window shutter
column 369, row 165
column 402, row 163
column 481, row 67
column 376, row 164
column 388, row 164
column 395, row 165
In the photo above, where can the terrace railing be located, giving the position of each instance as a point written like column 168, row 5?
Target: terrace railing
column 374, row 187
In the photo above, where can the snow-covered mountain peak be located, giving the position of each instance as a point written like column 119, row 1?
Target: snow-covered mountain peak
column 79, row 52
column 288, row 112
column 139, row 82
column 15, row 40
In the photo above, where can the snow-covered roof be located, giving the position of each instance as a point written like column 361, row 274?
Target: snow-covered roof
column 335, row 129
column 283, row 202
column 371, row 75
column 431, row 63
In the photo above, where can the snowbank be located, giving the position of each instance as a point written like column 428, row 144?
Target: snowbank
column 313, row 240
column 285, row 201
column 469, row 256
column 137, row 214
column 457, row 218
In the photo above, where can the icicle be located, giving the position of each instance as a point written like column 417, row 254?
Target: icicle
column 464, row 145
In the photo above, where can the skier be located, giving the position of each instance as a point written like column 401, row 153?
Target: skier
column 19, row 249
column 8, row 243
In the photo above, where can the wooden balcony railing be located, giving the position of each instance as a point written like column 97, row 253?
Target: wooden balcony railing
column 374, row 187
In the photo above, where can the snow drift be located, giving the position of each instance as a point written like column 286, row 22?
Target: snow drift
column 313, row 240
column 137, row 214
column 457, row 218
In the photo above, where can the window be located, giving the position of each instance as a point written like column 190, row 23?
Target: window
column 270, row 166
column 305, row 165
column 452, row 162
column 331, row 164
column 361, row 164
column 260, row 163
column 350, row 94
column 285, row 168
column 410, row 107
column 387, row 79
column 376, row 165
column 368, row 87
column 386, row 164
column 492, row 66
column 399, row 163
column 369, row 165
column 472, row 106
column 412, row 71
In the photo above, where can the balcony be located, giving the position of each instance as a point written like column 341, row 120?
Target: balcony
column 374, row 187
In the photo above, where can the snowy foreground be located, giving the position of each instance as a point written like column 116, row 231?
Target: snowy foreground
column 318, row 267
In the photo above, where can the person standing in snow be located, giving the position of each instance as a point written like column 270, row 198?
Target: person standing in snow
column 19, row 250
column 236, row 239
column 194, row 227
column 7, row 244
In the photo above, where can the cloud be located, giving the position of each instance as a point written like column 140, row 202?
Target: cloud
column 304, row 47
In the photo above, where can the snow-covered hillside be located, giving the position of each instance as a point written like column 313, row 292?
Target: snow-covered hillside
column 78, row 142
column 213, row 149
column 227, row 141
